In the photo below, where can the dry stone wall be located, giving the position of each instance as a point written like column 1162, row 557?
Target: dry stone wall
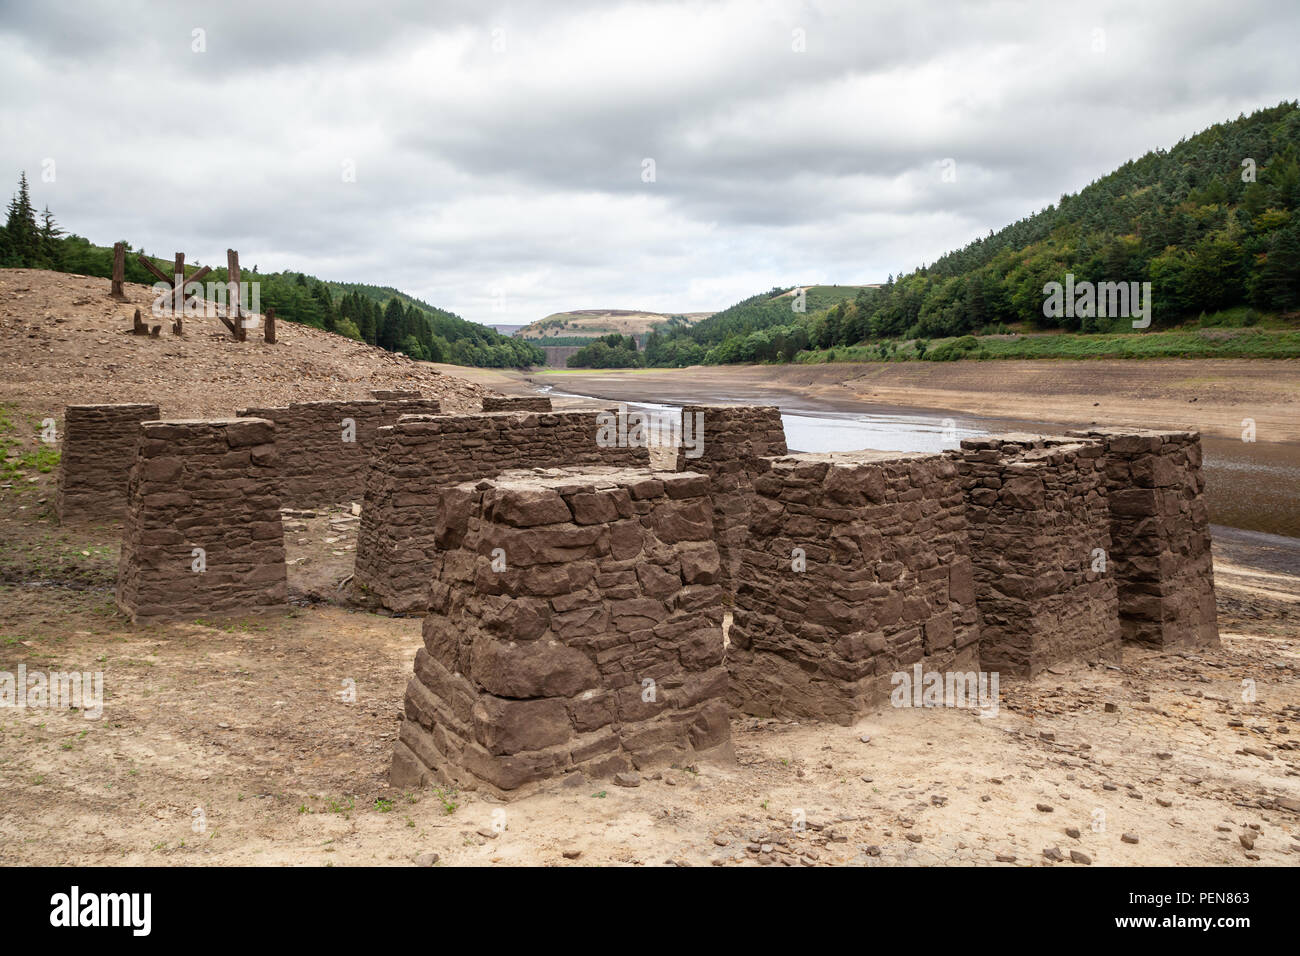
column 1160, row 537
column 728, row 443
column 524, row 403
column 395, row 394
column 421, row 455
column 95, row 463
column 575, row 624
column 1039, row 529
column 325, row 447
column 202, row 533
column 856, row 567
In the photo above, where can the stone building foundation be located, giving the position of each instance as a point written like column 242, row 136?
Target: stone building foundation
column 1039, row 529
column 575, row 625
column 856, row 568
column 422, row 455
column 729, row 443
column 1160, row 537
column 325, row 447
column 95, row 462
column 202, row 533
column 516, row 403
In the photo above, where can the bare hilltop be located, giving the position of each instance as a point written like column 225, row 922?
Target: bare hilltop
column 64, row 341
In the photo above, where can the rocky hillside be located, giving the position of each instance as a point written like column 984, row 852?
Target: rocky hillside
column 64, row 341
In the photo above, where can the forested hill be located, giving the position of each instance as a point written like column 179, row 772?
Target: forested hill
column 378, row 315
column 1213, row 224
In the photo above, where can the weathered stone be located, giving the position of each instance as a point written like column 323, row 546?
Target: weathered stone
column 187, row 552
column 619, row 668
column 99, row 448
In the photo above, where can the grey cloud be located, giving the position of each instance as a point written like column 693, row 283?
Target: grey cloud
column 520, row 168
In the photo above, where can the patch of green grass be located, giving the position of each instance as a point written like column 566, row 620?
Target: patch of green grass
column 445, row 797
column 42, row 458
column 1217, row 342
column 337, row 806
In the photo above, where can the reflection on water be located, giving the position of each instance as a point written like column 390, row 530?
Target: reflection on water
column 1251, row 485
column 840, row 431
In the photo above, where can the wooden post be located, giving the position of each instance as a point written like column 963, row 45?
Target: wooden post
column 154, row 270
column 119, row 271
column 232, row 296
column 197, row 277
column 178, row 299
column 270, row 326
column 137, row 325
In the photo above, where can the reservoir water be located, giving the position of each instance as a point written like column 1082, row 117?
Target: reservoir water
column 1249, row 485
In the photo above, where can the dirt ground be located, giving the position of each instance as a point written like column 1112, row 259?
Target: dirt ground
column 64, row 341
column 266, row 740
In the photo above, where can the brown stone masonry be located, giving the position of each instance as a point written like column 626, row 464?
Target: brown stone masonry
column 731, row 441
column 325, row 447
column 202, row 533
column 1160, row 537
column 1039, row 533
column 95, row 464
column 421, row 455
column 575, row 624
column 395, row 394
column 856, row 567
column 527, row 403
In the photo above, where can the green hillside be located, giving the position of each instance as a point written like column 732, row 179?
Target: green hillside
column 1213, row 224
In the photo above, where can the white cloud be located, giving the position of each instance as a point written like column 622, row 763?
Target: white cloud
column 501, row 150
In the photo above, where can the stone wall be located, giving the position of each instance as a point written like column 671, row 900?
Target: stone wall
column 575, row 624
column 318, row 464
column 856, row 567
column 1160, row 537
column 205, row 485
column 395, row 394
column 1039, row 532
column 95, row 463
column 421, row 455
column 516, row 403
column 731, row 442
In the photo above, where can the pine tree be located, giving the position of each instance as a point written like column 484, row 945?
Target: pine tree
column 1277, row 284
column 20, row 228
column 51, row 252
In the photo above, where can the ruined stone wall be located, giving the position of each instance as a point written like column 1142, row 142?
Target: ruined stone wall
column 526, row 403
column 95, row 463
column 1160, row 537
column 886, row 582
column 731, row 441
column 202, row 485
column 594, row 644
column 318, row 465
column 420, row 456
column 1039, row 531
column 395, row 394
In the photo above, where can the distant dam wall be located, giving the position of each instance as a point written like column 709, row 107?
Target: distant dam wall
column 558, row 355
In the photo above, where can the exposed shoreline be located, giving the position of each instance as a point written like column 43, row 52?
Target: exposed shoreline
column 1252, row 485
column 1212, row 396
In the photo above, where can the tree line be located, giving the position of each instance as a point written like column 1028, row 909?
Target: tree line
column 1213, row 224
column 378, row 315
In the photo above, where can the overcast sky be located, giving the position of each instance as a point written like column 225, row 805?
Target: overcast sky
column 492, row 160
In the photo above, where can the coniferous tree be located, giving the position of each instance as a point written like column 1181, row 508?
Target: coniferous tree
column 20, row 228
column 51, row 250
